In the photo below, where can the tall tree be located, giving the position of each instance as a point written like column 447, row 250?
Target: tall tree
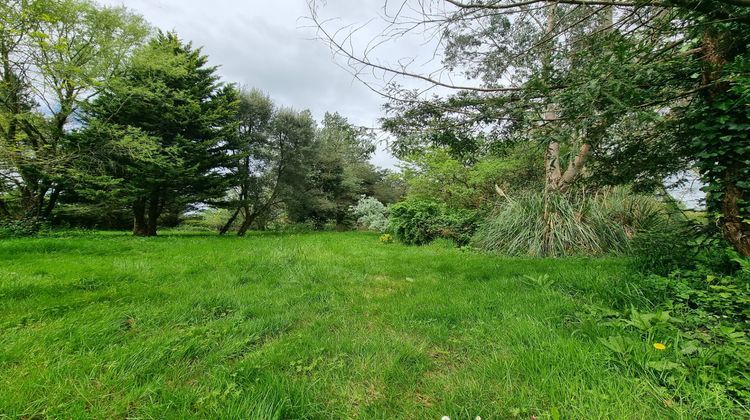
column 340, row 171
column 55, row 54
column 270, row 155
column 170, row 95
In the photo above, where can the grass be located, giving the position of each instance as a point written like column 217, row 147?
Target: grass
column 325, row 325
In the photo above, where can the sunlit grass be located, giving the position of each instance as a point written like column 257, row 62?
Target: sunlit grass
column 326, row 325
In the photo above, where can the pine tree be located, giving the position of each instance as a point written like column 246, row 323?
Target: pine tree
column 171, row 103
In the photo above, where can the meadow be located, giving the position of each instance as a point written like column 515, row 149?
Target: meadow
column 309, row 325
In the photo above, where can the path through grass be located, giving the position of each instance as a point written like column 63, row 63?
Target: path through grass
column 326, row 325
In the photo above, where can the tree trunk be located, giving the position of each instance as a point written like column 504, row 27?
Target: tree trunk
column 224, row 229
column 245, row 226
column 716, row 54
column 154, row 210
column 52, row 202
column 735, row 230
column 139, row 217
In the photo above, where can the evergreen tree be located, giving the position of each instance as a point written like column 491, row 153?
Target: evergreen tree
column 171, row 102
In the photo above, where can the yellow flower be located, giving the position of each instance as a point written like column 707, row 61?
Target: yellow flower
column 659, row 346
column 386, row 238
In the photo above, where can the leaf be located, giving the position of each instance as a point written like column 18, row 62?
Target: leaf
column 663, row 365
column 617, row 344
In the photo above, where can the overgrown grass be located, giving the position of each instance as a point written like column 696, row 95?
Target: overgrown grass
column 326, row 325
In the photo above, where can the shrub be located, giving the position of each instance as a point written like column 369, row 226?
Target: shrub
column 418, row 222
column 371, row 214
column 542, row 224
column 20, row 228
column 458, row 225
column 209, row 220
column 661, row 250
column 415, row 222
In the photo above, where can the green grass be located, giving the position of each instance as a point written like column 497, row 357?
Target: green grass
column 325, row 325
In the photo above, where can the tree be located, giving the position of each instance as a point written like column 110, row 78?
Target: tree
column 269, row 157
column 55, row 54
column 340, row 171
column 569, row 74
column 171, row 100
column 251, row 155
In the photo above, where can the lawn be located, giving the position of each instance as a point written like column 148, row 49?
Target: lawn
column 321, row 325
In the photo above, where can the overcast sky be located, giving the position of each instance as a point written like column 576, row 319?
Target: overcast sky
column 266, row 44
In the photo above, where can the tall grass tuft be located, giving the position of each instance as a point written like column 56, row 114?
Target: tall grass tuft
column 548, row 224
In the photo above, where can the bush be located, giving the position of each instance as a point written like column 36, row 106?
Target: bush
column 371, row 214
column 661, row 250
column 92, row 216
column 698, row 316
column 458, row 225
column 20, row 228
column 540, row 224
column 415, row 222
column 418, row 222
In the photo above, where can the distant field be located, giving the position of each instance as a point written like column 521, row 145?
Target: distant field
column 323, row 325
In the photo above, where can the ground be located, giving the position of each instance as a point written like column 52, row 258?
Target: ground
column 321, row 325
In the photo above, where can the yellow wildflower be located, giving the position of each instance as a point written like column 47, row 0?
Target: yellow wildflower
column 659, row 346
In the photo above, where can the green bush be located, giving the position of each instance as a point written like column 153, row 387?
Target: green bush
column 458, row 225
column 418, row 222
column 21, row 227
column 415, row 222
column 544, row 224
column 661, row 250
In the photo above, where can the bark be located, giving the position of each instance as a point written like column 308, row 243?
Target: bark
column 735, row 230
column 224, row 229
column 716, row 54
column 52, row 202
column 245, row 226
column 139, row 217
column 574, row 169
column 154, row 211
column 552, row 165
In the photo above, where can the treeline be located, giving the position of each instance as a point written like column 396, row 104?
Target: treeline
column 105, row 122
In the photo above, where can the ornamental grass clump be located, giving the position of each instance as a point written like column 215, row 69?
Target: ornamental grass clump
column 551, row 224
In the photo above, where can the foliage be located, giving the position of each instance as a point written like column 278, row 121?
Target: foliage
column 434, row 174
column 718, row 130
column 339, row 172
column 662, row 249
column 418, row 222
column 616, row 93
column 20, row 228
column 538, row 224
column 210, row 220
column 54, row 55
column 92, row 215
column 371, row 214
column 170, row 101
column 268, row 160
column 692, row 331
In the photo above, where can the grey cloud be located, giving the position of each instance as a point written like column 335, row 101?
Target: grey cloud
column 266, row 45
